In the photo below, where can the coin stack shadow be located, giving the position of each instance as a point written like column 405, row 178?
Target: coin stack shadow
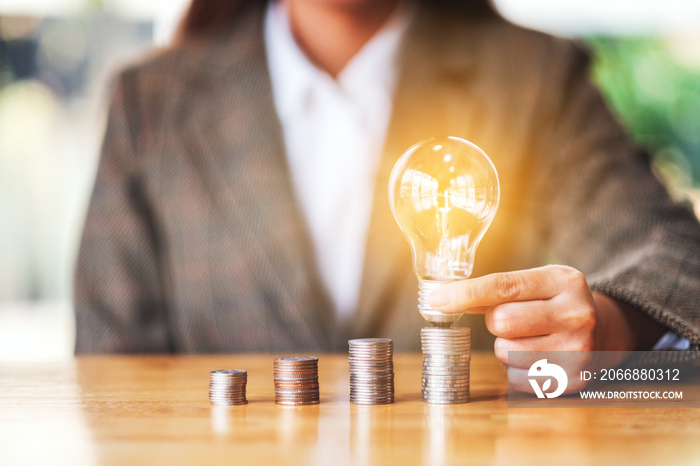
column 296, row 381
column 446, row 358
column 227, row 387
column 371, row 371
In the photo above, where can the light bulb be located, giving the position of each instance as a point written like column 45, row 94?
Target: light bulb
column 444, row 193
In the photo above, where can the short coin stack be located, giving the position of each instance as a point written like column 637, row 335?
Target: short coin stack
column 227, row 387
column 371, row 371
column 446, row 358
column 296, row 381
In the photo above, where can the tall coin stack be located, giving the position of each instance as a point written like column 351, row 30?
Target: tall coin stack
column 446, row 357
column 371, row 371
column 296, row 381
column 227, row 387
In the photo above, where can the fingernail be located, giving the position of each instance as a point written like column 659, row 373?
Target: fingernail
column 440, row 297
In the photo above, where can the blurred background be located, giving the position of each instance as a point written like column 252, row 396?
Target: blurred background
column 56, row 58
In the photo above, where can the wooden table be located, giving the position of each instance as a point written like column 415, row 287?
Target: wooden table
column 154, row 410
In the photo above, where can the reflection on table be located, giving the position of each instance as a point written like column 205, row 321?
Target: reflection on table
column 154, row 410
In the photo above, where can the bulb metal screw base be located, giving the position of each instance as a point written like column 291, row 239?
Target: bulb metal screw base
column 436, row 318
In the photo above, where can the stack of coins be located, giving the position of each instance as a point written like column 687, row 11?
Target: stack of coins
column 296, row 381
column 446, row 358
column 227, row 387
column 371, row 371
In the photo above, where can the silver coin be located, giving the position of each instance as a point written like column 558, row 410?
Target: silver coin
column 296, row 359
column 227, row 390
column 440, row 401
column 365, row 360
column 366, row 387
column 358, row 380
column 371, row 367
column 444, row 388
column 371, row 398
column 297, row 403
column 445, row 331
column 227, row 398
column 458, row 366
column 378, row 371
column 373, row 402
column 227, row 387
column 372, row 394
column 296, row 399
column 371, row 342
column 382, row 352
column 371, row 375
column 293, row 377
column 449, row 376
column 371, row 371
column 370, row 382
column 229, row 372
column 446, row 370
column 446, row 392
column 370, row 359
column 446, row 365
column 444, row 379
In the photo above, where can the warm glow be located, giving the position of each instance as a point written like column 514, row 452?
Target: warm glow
column 444, row 200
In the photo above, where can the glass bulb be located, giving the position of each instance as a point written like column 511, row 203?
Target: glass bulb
column 444, row 193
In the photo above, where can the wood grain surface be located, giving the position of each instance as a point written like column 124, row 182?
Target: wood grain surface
column 119, row 410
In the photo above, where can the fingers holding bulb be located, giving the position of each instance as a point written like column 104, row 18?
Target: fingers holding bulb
column 544, row 309
column 492, row 290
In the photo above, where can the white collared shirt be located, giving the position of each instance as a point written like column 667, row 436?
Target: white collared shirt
column 333, row 131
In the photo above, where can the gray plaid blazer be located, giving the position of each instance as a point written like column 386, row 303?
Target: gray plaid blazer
column 194, row 241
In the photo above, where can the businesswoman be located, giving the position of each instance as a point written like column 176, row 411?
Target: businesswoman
column 240, row 202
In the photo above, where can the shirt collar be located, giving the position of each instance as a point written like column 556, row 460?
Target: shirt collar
column 369, row 76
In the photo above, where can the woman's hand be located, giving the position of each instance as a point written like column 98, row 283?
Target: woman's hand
column 548, row 308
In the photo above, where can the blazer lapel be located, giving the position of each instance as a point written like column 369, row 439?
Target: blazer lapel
column 433, row 86
column 237, row 145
